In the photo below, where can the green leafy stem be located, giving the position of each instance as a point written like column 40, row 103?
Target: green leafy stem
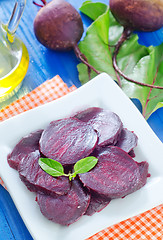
column 55, row 169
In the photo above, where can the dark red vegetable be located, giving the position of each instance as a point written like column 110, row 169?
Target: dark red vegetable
column 127, row 140
column 65, row 209
column 39, row 181
column 59, row 26
column 107, row 124
column 115, row 175
column 68, row 140
column 25, row 146
column 97, row 204
column 141, row 15
column 143, row 168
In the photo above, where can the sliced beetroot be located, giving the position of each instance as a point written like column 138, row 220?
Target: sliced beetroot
column 127, row 140
column 27, row 144
column 143, row 169
column 39, row 181
column 115, row 175
column 68, row 140
column 65, row 209
column 97, row 204
column 107, row 124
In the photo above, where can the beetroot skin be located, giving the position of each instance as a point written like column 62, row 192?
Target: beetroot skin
column 144, row 15
column 58, row 26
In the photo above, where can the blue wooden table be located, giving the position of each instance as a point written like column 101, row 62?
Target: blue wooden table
column 43, row 65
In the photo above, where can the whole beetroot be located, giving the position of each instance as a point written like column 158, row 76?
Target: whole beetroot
column 58, row 25
column 141, row 15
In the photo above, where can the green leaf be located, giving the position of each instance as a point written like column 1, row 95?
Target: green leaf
column 130, row 54
column 143, row 64
column 83, row 70
column 95, row 47
column 159, row 105
column 84, row 165
column 51, row 166
column 147, row 70
column 115, row 30
column 93, row 10
column 56, row 169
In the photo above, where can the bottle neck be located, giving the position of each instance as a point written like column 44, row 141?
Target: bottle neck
column 16, row 16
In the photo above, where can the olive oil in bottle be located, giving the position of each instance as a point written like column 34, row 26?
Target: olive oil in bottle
column 14, row 58
column 14, row 62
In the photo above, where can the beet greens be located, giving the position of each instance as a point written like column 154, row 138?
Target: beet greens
column 143, row 64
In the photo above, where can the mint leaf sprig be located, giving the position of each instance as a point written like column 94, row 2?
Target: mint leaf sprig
column 55, row 169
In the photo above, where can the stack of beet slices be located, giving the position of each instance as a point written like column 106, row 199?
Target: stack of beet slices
column 92, row 132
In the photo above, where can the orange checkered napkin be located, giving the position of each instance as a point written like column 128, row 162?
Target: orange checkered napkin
column 147, row 226
column 46, row 92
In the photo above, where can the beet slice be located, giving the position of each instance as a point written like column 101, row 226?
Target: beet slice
column 65, row 209
column 127, row 141
column 115, row 175
column 106, row 123
column 39, row 181
column 97, row 204
column 26, row 145
column 68, row 140
column 143, row 169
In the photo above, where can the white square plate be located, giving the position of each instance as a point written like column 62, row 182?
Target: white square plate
column 102, row 91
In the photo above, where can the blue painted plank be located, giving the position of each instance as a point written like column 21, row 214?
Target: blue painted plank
column 5, row 231
column 156, row 123
column 11, row 223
